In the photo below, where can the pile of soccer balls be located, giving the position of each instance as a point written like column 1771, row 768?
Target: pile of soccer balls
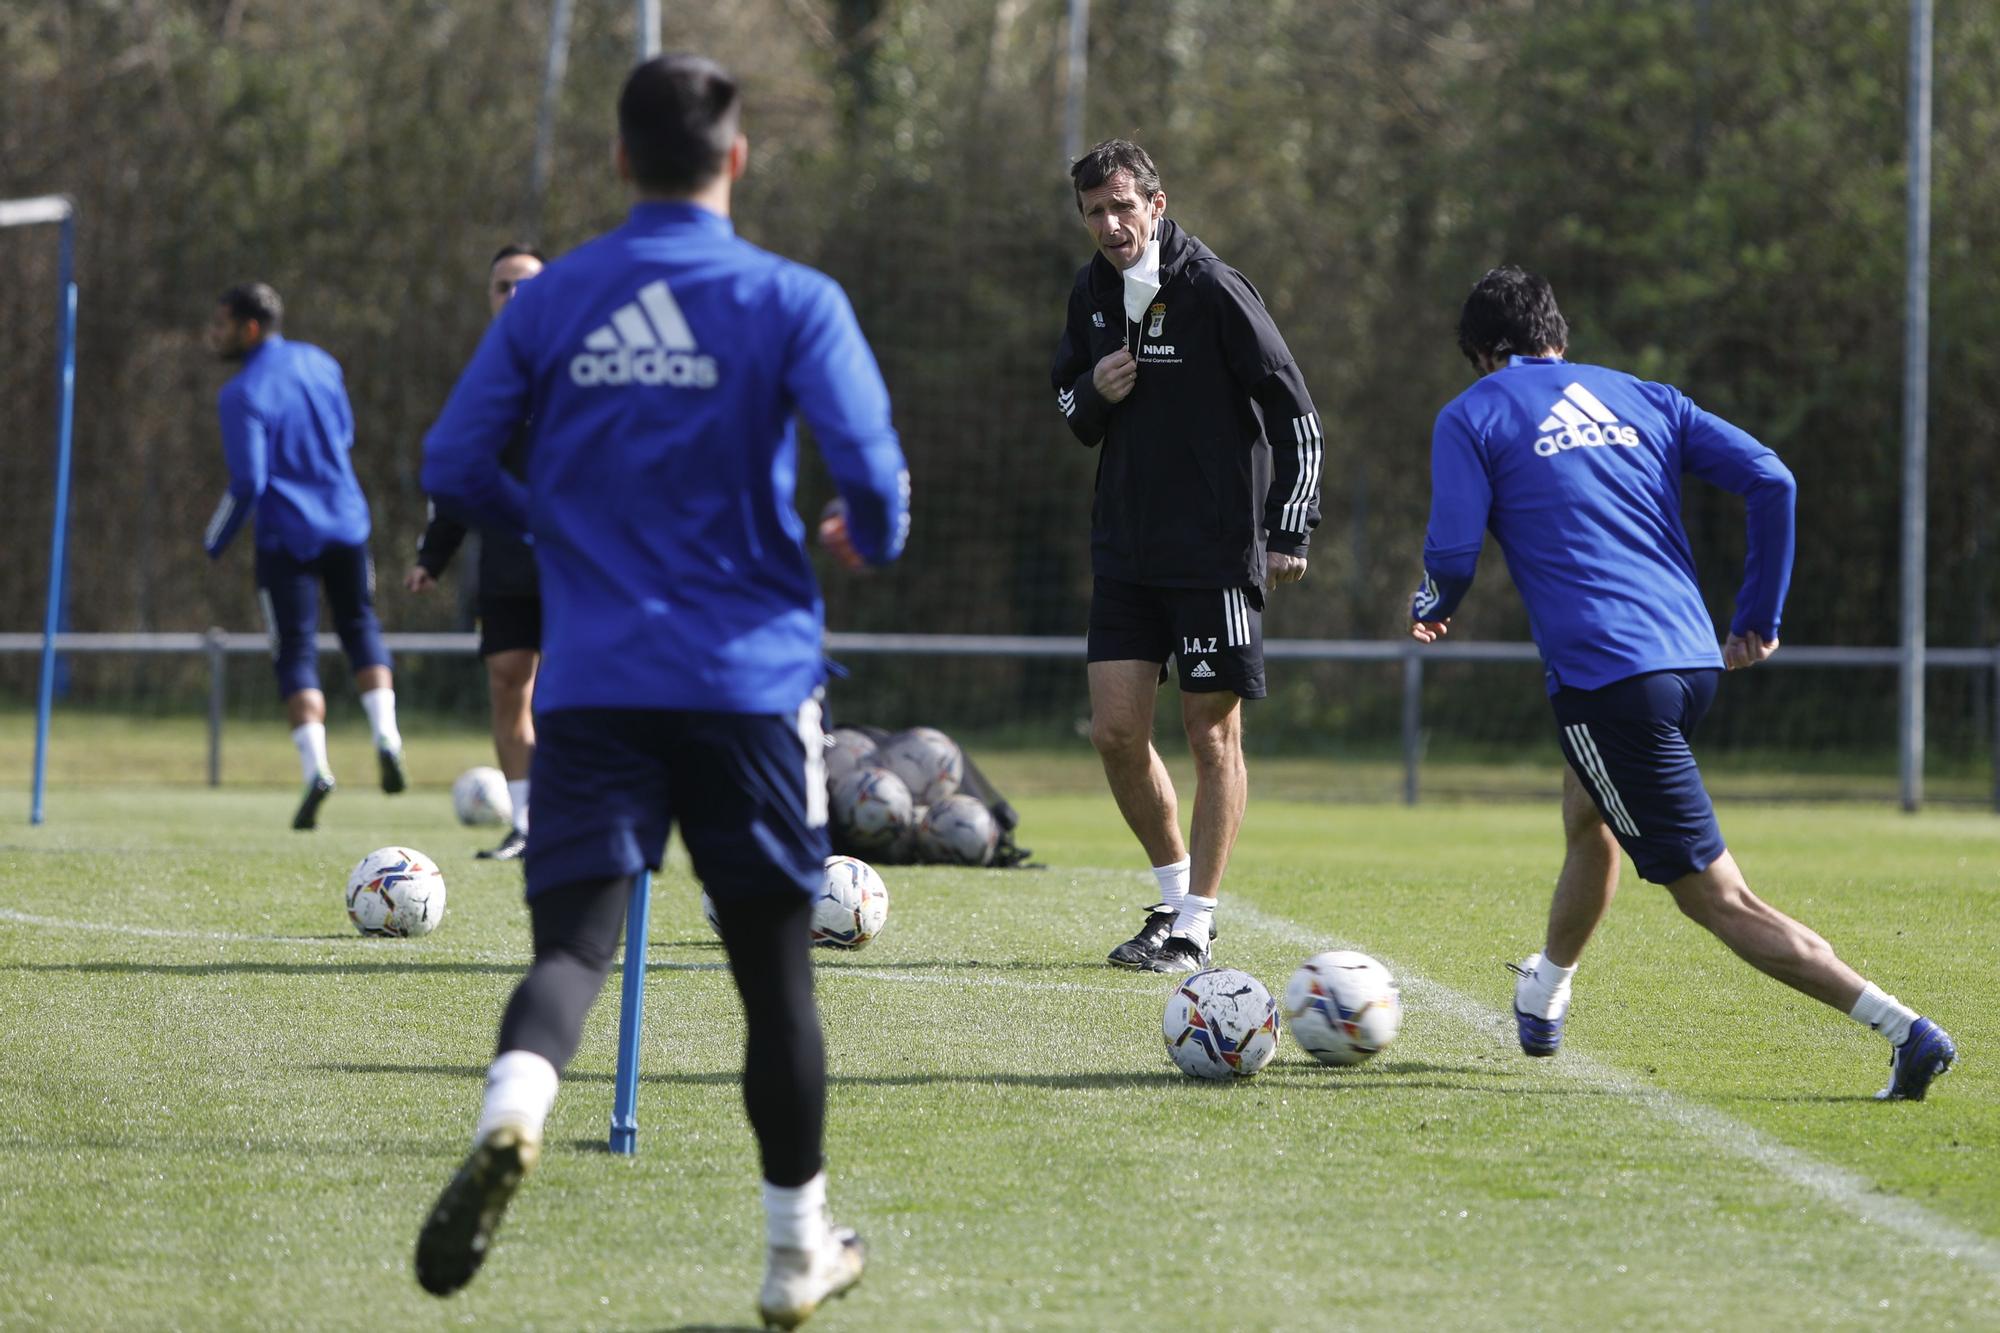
column 1342, row 1007
column 899, row 801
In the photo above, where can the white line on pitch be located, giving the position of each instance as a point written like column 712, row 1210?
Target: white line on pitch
column 1836, row 1185
column 8, row 915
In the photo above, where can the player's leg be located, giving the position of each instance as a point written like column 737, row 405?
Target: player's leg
column 350, row 591
column 1131, row 637
column 510, row 634
column 605, row 817
column 1584, row 890
column 1219, row 658
column 288, row 595
column 750, row 792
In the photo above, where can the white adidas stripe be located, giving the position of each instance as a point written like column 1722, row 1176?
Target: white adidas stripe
column 653, row 319
column 223, row 513
column 1590, row 403
column 1311, row 446
column 1600, row 778
column 1235, row 619
column 1066, row 400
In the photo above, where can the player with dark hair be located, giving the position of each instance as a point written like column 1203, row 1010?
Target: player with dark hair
column 1207, row 494
column 1577, row 470
column 661, row 366
column 287, row 433
column 510, row 601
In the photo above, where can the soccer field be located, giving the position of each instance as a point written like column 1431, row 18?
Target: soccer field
column 220, row 1108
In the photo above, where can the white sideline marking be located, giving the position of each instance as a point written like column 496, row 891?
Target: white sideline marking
column 1838, row 1186
column 10, row 916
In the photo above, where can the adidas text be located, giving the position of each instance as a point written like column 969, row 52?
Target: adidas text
column 650, row 366
column 1580, row 420
column 1591, row 436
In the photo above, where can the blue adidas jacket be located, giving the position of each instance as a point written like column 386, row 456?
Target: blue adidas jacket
column 662, row 365
column 1576, row 469
column 287, row 433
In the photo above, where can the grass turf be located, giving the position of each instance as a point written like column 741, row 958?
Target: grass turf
column 220, row 1108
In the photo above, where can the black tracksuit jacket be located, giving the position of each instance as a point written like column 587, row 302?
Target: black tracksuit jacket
column 506, row 563
column 1214, row 457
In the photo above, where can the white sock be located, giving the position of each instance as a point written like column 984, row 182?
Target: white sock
column 520, row 1089
column 1885, row 1013
column 517, row 793
column 795, row 1218
column 380, row 705
column 1544, row 992
column 1173, row 882
column 310, row 737
column 1196, row 916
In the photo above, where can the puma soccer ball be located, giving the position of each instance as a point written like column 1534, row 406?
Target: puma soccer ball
column 480, row 797
column 852, row 907
column 1342, row 1007
column 1220, row 1024
column 395, row 891
column 928, row 761
column 847, row 749
column 872, row 810
column 959, row 830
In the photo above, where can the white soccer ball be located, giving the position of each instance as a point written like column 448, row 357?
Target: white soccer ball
column 1342, row 1007
column 846, row 750
column 852, row 907
column 872, row 809
column 395, row 891
column 959, row 830
column 1221, row 1023
column 928, row 761
column 480, row 797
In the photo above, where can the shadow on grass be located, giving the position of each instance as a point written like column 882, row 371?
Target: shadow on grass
column 731, row 1077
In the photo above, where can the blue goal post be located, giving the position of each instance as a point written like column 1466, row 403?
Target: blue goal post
column 60, row 210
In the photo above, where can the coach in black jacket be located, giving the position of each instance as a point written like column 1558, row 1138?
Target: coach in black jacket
column 1207, row 493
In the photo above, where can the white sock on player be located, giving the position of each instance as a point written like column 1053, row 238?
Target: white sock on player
column 520, row 1089
column 1173, row 882
column 517, row 793
column 380, row 705
column 1544, row 992
column 1884, row 1013
column 1197, row 917
column 310, row 737
column 795, row 1217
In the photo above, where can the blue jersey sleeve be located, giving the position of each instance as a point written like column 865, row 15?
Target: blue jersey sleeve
column 831, row 374
column 1731, row 458
column 246, row 450
column 462, row 450
column 1461, row 498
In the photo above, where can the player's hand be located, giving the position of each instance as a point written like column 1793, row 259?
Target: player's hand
column 418, row 580
column 1115, row 375
column 1746, row 650
column 835, row 539
column 1429, row 631
column 1280, row 568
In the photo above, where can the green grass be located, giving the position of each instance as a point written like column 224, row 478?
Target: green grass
column 240, row 1123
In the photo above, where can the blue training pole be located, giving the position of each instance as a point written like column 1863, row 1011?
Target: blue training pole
column 59, row 538
column 631, row 1001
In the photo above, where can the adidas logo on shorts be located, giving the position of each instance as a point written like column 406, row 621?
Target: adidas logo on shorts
column 1202, row 671
column 1580, row 419
column 647, row 342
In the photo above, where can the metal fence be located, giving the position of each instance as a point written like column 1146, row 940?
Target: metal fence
column 217, row 645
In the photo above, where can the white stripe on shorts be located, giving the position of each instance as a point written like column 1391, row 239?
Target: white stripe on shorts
column 1235, row 619
column 1600, row 778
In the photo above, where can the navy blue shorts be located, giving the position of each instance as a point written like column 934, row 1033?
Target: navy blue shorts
column 748, row 790
column 288, row 590
column 1628, row 742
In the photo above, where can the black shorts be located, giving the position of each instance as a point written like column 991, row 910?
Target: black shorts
column 508, row 624
column 1215, row 635
column 747, row 789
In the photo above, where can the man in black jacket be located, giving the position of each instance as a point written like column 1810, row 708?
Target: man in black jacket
column 510, row 597
column 1207, row 493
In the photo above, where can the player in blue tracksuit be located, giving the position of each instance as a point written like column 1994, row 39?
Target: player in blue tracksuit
column 661, row 366
column 287, row 433
column 1576, row 470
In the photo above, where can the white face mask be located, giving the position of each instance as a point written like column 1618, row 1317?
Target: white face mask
column 1142, row 280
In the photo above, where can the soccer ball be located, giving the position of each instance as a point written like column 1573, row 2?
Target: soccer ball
column 708, row 914
column 480, row 797
column 872, row 809
column 959, row 830
column 1342, row 1007
column 1221, row 1023
column 928, row 761
column 846, row 750
column 852, row 907
column 395, row 891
